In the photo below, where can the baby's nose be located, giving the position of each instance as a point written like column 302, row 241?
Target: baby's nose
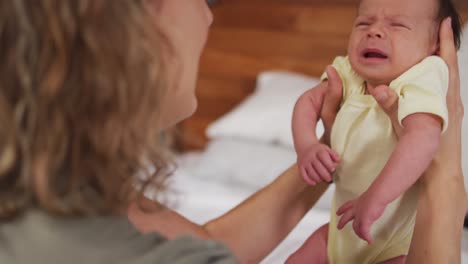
column 375, row 32
column 375, row 35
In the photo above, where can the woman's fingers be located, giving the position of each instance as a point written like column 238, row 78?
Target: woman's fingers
column 448, row 52
column 334, row 79
column 450, row 149
column 332, row 100
column 388, row 101
column 447, row 49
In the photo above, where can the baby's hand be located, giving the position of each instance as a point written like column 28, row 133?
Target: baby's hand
column 365, row 211
column 317, row 162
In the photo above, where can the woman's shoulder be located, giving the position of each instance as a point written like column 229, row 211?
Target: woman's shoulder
column 36, row 237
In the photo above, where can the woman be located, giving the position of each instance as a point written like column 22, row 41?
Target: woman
column 85, row 87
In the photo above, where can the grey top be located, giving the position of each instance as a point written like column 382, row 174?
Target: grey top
column 42, row 239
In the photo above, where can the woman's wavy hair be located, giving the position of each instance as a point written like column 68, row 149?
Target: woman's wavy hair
column 81, row 85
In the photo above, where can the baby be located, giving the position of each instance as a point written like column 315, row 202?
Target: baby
column 393, row 43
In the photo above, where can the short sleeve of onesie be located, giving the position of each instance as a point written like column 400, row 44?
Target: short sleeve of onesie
column 422, row 89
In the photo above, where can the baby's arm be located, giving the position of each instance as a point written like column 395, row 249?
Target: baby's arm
column 412, row 155
column 316, row 161
column 305, row 117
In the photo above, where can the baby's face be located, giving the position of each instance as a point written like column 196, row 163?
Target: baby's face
column 391, row 36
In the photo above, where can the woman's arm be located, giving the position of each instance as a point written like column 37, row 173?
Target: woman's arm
column 252, row 229
column 255, row 227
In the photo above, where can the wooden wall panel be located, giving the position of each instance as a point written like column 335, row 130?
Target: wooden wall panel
column 250, row 36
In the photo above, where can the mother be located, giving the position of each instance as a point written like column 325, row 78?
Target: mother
column 85, row 88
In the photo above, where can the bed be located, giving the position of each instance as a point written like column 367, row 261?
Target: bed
column 261, row 55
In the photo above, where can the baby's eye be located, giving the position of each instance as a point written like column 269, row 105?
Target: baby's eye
column 362, row 23
column 400, row 25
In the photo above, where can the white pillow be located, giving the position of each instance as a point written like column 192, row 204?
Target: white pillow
column 246, row 162
column 274, row 82
column 266, row 115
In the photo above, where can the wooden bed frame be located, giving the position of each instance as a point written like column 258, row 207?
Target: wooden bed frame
column 251, row 36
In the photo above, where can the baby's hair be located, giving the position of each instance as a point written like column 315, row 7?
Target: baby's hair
column 447, row 9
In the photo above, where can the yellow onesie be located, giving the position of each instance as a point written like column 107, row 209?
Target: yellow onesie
column 363, row 137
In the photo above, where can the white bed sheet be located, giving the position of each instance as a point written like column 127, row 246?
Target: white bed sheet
column 202, row 199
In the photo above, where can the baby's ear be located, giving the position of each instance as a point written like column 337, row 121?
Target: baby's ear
column 435, row 46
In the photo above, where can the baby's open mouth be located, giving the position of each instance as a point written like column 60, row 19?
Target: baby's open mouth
column 374, row 53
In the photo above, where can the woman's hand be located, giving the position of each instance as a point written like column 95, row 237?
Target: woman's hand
column 442, row 204
column 331, row 102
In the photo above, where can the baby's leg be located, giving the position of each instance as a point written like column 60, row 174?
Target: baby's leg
column 396, row 260
column 314, row 250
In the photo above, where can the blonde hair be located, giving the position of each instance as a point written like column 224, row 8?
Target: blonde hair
column 81, row 85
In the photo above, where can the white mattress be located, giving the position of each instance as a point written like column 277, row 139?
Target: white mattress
column 202, row 199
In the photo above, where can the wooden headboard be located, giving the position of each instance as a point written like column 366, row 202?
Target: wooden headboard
column 251, row 36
